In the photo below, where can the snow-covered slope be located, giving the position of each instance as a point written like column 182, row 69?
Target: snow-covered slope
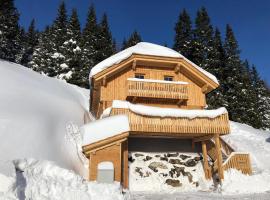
column 34, row 113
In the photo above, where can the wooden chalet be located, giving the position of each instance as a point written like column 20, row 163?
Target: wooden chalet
column 163, row 94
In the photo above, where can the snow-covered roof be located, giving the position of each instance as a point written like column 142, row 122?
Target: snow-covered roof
column 104, row 128
column 164, row 112
column 158, row 81
column 144, row 48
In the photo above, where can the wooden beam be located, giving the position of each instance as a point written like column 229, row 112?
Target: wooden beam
column 205, row 161
column 219, row 157
column 203, row 138
column 134, row 65
column 205, row 88
column 104, row 81
column 125, row 164
column 177, row 68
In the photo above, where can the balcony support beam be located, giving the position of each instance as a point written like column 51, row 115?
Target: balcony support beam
column 203, row 138
column 219, row 157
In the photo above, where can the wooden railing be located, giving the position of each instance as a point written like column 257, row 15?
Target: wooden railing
column 235, row 160
column 141, row 124
column 157, row 90
column 239, row 161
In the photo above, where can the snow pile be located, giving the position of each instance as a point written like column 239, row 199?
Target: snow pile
column 45, row 180
column 144, row 48
column 104, row 128
column 158, row 81
column 235, row 182
column 143, row 178
column 244, row 138
column 164, row 112
column 35, row 111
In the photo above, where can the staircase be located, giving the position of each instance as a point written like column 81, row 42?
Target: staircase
column 230, row 158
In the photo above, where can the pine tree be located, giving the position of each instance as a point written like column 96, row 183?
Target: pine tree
column 202, row 44
column 233, row 72
column 72, row 52
column 59, row 37
column 105, row 47
column 42, row 56
column 183, row 35
column 89, row 41
column 133, row 40
column 29, row 43
column 216, row 64
column 262, row 105
column 10, row 32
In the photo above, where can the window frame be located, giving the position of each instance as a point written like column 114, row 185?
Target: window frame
column 139, row 76
column 166, row 77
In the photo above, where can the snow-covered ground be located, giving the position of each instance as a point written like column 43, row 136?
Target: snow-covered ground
column 40, row 119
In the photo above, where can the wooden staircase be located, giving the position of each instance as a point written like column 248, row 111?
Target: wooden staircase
column 230, row 159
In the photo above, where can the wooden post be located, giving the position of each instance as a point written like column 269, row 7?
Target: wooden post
column 205, row 161
column 219, row 157
column 125, row 164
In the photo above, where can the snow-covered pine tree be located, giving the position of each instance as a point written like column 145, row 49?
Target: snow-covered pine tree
column 249, row 99
column 105, row 47
column 89, row 41
column 234, row 89
column 203, row 34
column 59, row 37
column 216, row 64
column 132, row 40
column 29, row 43
column 10, row 32
column 42, row 55
column 183, row 35
column 262, row 105
column 72, row 52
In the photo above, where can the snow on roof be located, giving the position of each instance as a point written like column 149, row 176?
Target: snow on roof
column 105, row 165
column 144, row 48
column 165, row 112
column 158, row 81
column 104, row 128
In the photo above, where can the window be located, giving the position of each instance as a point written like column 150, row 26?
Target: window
column 140, row 76
column 168, row 78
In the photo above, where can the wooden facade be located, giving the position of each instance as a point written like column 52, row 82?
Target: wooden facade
column 187, row 90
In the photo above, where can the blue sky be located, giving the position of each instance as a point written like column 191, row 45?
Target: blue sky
column 155, row 20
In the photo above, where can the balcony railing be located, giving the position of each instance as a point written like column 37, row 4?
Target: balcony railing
column 171, row 126
column 157, row 89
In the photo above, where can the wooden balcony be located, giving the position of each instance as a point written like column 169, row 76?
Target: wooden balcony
column 174, row 126
column 157, row 89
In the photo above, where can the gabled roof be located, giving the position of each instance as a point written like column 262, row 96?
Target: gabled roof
column 145, row 48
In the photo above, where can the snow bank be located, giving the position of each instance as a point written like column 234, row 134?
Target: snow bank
column 235, row 182
column 158, row 81
column 144, row 48
column 45, row 180
column 35, row 111
column 244, row 138
column 164, row 112
column 104, row 128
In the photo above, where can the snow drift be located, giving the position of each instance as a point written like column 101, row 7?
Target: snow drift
column 35, row 111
